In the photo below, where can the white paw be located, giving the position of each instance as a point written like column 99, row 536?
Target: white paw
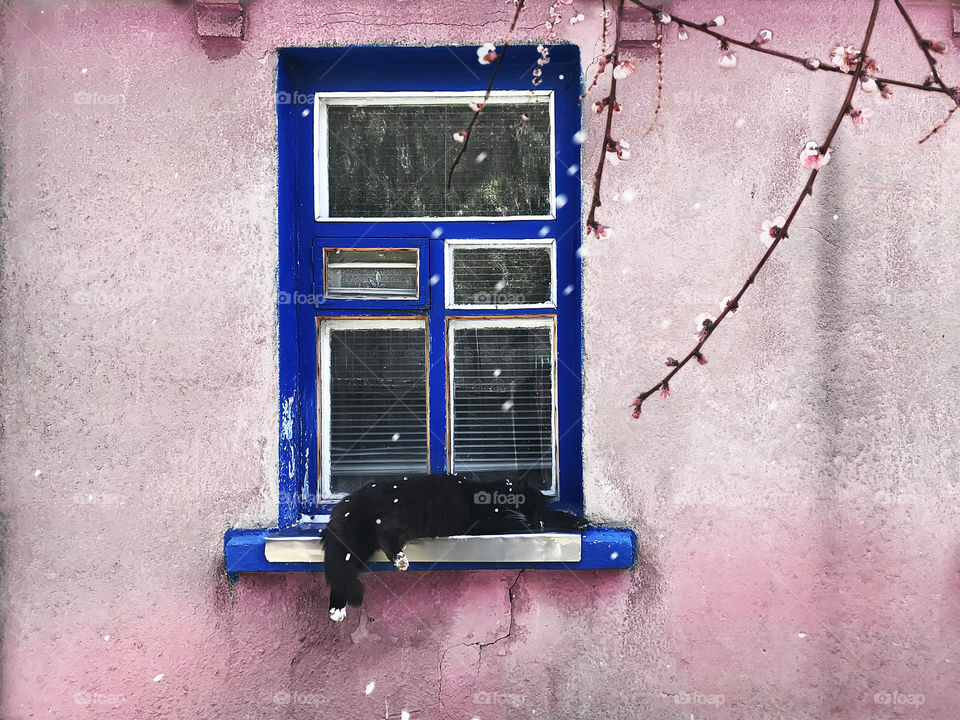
column 338, row 614
column 400, row 561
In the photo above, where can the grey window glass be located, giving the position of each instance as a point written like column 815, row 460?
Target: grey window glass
column 378, row 405
column 370, row 273
column 503, row 404
column 501, row 276
column 392, row 160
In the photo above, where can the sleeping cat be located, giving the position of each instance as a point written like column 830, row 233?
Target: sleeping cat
column 385, row 515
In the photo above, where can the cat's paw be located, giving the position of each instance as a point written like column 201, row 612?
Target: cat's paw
column 400, row 561
column 338, row 614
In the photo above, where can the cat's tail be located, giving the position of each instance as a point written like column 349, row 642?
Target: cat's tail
column 341, row 568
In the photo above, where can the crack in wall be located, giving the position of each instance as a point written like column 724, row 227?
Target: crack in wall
column 480, row 645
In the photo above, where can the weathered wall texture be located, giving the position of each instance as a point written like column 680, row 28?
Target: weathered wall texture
column 796, row 498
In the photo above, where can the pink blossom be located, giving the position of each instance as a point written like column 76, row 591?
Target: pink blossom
column 461, row 136
column 937, row 46
column 728, row 302
column 476, row 107
column 861, row 117
column 672, row 362
column 600, row 232
column 665, row 391
column 618, row 151
column 812, row 158
column 704, row 323
column 770, row 228
column 844, row 57
column 487, row 53
column 762, row 38
column 718, row 21
column 624, row 69
column 600, row 105
column 703, row 320
column 727, row 59
column 700, row 358
column 578, row 18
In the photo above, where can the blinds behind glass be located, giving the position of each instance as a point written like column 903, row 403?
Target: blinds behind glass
column 503, row 403
column 378, row 405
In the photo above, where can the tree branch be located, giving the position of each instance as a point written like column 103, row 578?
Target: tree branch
column 486, row 95
column 806, row 62
column 781, row 233
column 924, row 46
column 611, row 104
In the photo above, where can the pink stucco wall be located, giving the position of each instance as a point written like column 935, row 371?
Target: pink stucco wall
column 795, row 499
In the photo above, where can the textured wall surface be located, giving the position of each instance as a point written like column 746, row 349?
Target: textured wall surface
column 795, row 499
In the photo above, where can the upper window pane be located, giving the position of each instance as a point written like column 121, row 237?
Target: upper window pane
column 389, row 157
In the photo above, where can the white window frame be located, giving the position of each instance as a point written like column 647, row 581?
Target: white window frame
column 550, row 322
column 356, row 295
column 321, row 154
column 326, row 325
column 451, row 245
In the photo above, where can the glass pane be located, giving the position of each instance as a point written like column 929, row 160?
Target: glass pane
column 392, row 160
column 501, row 276
column 503, row 404
column 388, row 274
column 378, row 405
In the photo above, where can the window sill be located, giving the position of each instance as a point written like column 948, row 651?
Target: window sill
column 298, row 549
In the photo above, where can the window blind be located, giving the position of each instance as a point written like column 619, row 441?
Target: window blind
column 501, row 276
column 378, row 405
column 503, row 403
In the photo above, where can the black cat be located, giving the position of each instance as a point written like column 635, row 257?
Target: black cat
column 386, row 515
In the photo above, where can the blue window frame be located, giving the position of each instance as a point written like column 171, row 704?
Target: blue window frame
column 357, row 254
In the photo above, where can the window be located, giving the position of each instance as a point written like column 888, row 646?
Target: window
column 431, row 329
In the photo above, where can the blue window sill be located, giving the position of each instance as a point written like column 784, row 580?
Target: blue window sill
column 600, row 548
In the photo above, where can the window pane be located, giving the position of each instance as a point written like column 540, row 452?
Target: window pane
column 503, row 403
column 501, row 276
column 390, row 274
column 392, row 160
column 378, row 405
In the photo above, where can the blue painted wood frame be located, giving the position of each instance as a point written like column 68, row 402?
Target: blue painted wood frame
column 305, row 71
column 600, row 549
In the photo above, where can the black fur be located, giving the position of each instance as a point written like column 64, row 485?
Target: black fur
column 424, row 506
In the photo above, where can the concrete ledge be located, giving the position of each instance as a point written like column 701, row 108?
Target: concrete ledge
column 219, row 19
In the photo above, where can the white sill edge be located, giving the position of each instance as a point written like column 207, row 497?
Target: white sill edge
column 513, row 548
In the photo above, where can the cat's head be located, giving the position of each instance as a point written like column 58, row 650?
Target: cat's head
column 527, row 499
